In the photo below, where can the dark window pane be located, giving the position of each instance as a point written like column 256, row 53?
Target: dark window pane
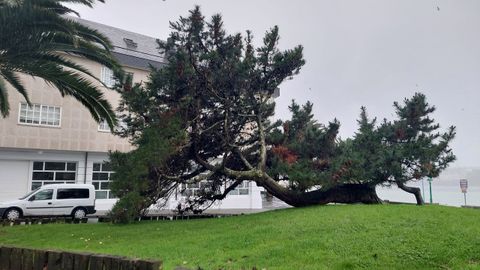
column 72, row 193
column 82, row 193
column 71, row 166
column 55, row 166
column 96, row 185
column 50, row 183
column 42, row 176
column 102, row 176
column 65, row 176
column 105, row 185
column 100, row 194
column 64, row 194
column 38, row 166
column 111, row 195
column 43, row 195
column 36, row 185
column 96, row 167
column 243, row 191
column 106, row 167
column 95, row 176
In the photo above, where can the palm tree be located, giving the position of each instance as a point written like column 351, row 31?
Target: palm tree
column 35, row 37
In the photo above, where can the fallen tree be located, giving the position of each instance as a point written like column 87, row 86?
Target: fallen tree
column 218, row 90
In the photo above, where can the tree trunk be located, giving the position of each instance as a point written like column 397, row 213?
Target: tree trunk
column 346, row 193
column 414, row 190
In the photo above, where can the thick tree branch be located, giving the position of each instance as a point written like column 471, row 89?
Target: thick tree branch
column 242, row 157
column 414, row 190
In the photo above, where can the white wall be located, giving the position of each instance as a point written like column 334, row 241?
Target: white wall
column 13, row 179
column 16, row 171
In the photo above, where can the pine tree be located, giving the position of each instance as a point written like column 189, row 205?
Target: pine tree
column 219, row 87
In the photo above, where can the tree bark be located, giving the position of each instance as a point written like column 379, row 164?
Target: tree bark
column 414, row 190
column 346, row 193
column 342, row 193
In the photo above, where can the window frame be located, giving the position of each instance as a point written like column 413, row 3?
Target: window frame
column 54, row 172
column 40, row 115
column 100, row 129
column 242, row 187
column 110, row 83
column 33, row 197
column 100, row 189
column 131, row 74
column 59, row 190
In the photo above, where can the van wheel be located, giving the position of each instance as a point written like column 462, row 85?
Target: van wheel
column 13, row 214
column 79, row 213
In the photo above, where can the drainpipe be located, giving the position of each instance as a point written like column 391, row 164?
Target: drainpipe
column 85, row 171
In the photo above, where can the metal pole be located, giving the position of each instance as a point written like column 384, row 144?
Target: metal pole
column 465, row 198
column 430, row 183
column 423, row 189
column 85, row 170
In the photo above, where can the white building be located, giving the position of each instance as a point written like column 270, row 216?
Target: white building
column 57, row 141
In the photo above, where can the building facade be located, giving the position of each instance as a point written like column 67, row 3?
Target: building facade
column 55, row 140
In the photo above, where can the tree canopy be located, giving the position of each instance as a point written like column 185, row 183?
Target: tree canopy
column 219, row 90
column 35, row 37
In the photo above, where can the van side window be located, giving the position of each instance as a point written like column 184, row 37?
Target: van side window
column 42, row 195
column 72, row 193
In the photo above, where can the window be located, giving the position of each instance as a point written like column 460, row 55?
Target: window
column 45, row 172
column 191, row 189
column 103, row 126
column 129, row 75
column 242, row 189
column 130, row 43
column 43, row 195
column 197, row 188
column 41, row 115
column 72, row 193
column 107, row 77
column 101, row 180
column 194, row 189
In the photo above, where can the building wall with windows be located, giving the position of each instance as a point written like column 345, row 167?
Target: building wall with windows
column 55, row 140
column 54, row 122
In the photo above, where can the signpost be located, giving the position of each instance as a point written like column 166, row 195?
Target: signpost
column 464, row 186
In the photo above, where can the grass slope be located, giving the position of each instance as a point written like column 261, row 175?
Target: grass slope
column 328, row 237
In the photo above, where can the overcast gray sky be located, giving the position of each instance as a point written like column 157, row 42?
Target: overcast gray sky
column 358, row 53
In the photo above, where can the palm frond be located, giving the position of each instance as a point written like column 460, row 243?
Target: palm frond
column 33, row 37
column 14, row 80
column 4, row 105
column 71, row 83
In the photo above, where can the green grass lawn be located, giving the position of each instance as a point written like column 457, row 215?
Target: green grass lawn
column 328, row 237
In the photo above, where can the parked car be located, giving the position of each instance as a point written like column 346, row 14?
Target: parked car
column 75, row 200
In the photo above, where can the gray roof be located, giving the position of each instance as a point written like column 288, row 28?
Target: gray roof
column 131, row 49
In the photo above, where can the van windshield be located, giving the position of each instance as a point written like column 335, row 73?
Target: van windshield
column 28, row 194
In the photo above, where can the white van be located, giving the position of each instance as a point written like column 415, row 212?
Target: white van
column 75, row 200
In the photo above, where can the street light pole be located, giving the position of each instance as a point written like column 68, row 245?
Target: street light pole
column 464, row 187
column 423, row 188
column 430, row 184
